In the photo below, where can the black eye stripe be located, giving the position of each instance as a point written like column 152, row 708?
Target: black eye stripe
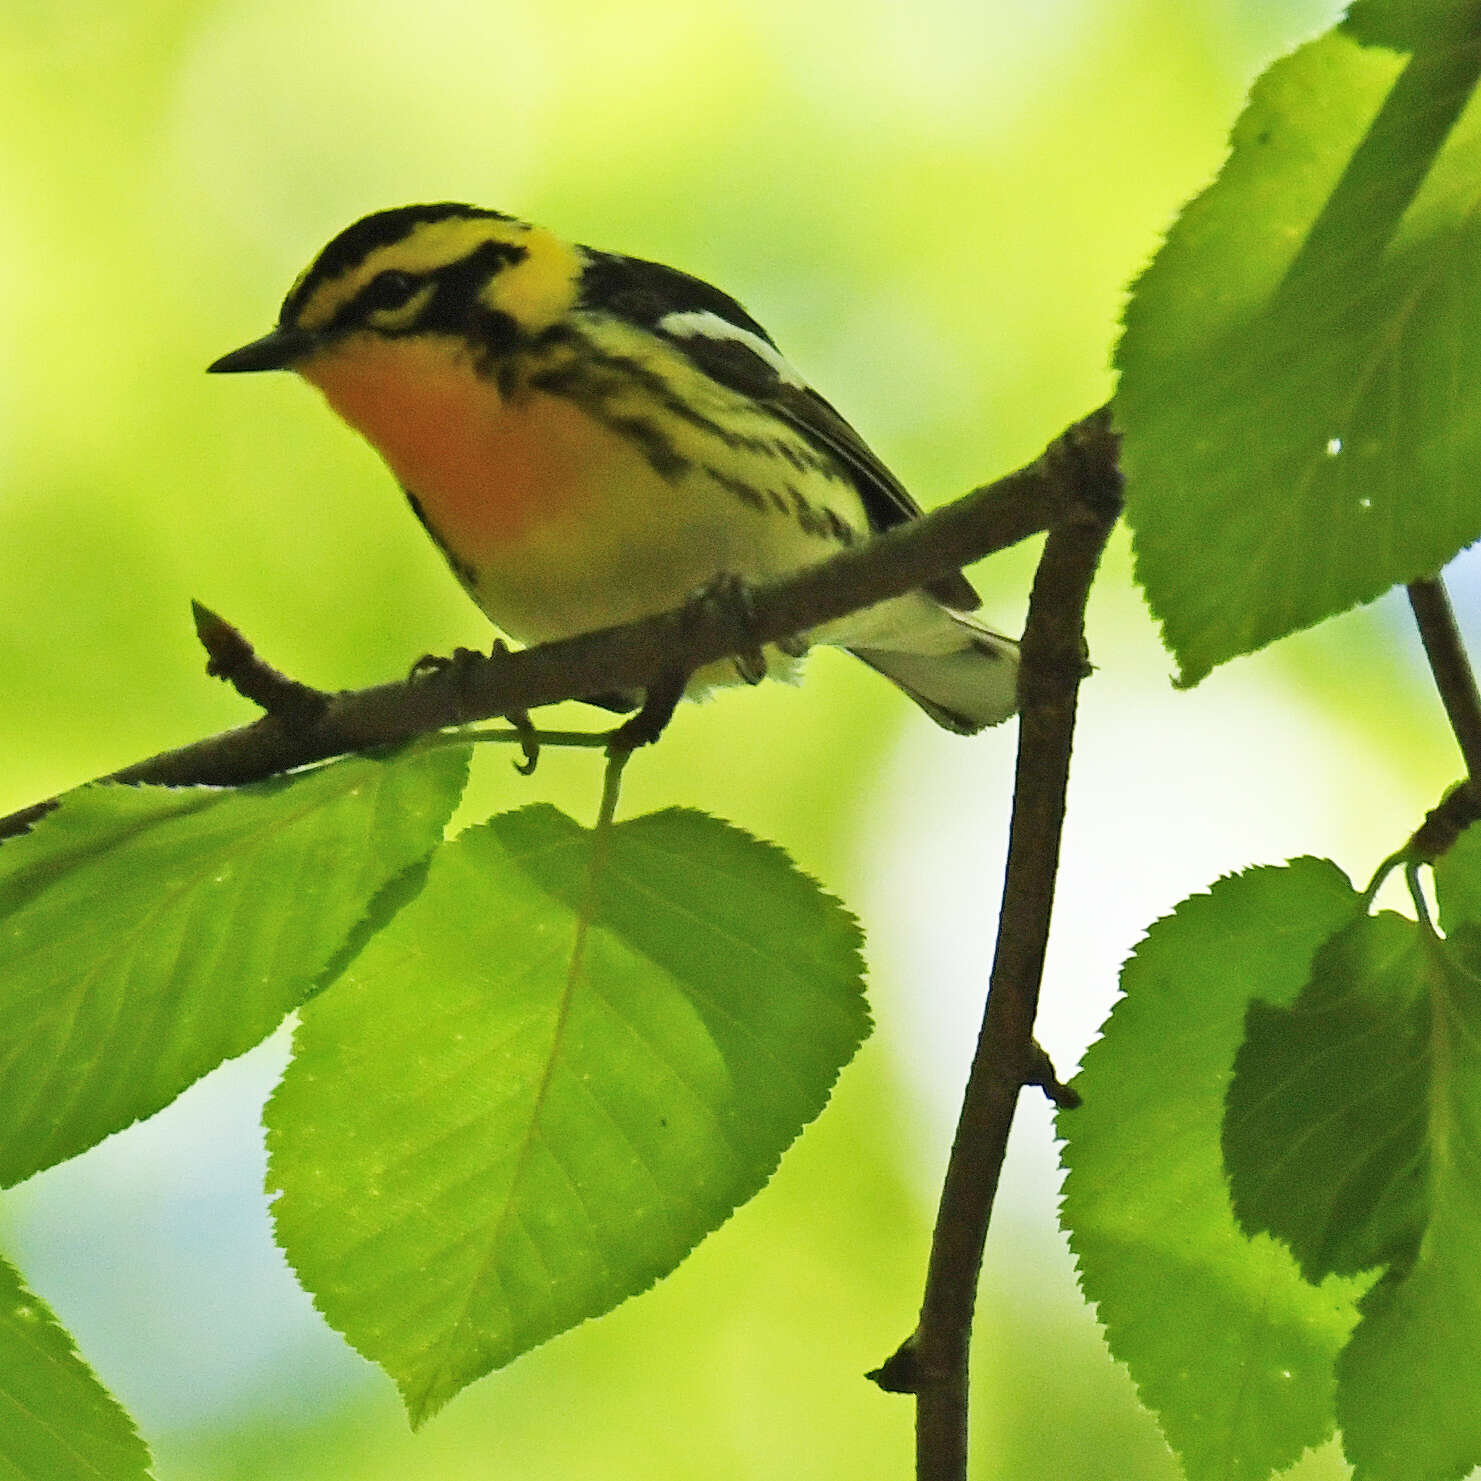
column 388, row 290
column 451, row 307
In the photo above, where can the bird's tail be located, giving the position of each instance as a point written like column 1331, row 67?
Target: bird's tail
column 961, row 673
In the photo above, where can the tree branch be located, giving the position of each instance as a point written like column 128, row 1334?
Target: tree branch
column 1450, row 667
column 632, row 656
column 932, row 1363
column 231, row 657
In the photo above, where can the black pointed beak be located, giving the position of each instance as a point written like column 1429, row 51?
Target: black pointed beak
column 277, row 350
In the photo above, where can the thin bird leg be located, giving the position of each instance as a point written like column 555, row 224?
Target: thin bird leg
column 650, row 722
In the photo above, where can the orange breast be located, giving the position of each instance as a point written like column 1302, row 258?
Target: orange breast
column 486, row 471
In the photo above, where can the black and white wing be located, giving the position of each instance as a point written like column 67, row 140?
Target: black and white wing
column 723, row 340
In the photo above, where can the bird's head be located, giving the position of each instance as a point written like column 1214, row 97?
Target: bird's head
column 452, row 273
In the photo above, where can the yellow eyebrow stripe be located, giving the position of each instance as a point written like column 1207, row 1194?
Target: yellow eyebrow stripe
column 428, row 246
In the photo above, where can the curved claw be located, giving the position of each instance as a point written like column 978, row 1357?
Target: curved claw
column 435, row 663
column 529, row 741
column 751, row 666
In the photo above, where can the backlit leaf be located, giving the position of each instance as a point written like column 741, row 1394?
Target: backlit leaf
column 537, row 1090
column 1228, row 1345
column 148, row 933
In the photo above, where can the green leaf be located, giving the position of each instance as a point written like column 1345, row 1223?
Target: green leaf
column 1228, row 1345
column 1301, row 365
column 531, row 1096
column 57, row 1422
column 1354, row 1134
column 1325, row 1135
column 147, row 934
column 1409, row 25
column 1458, row 881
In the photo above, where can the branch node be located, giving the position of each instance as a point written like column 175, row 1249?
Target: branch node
column 900, row 1372
column 231, row 657
column 1085, row 459
column 1444, row 823
column 1042, row 1074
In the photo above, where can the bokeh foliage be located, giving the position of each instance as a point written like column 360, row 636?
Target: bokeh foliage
column 936, row 216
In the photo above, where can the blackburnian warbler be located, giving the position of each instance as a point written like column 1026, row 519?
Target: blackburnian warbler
column 590, row 438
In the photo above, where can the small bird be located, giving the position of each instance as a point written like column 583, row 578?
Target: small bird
column 590, row 438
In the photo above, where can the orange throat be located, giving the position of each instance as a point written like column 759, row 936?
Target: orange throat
column 484, row 469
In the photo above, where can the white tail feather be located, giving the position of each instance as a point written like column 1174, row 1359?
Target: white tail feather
column 961, row 673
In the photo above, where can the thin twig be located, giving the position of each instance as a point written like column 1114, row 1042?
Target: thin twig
column 629, row 657
column 231, row 657
column 1450, row 666
column 932, row 1363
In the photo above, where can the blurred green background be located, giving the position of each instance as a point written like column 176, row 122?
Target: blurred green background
column 935, row 208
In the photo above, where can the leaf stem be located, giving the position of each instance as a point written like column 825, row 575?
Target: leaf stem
column 591, row 740
column 611, row 787
column 1380, row 874
column 1417, row 899
column 611, row 790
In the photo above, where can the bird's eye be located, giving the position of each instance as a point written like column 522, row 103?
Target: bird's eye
column 389, row 290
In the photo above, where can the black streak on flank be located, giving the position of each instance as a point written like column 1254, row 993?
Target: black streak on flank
column 625, row 368
column 576, row 381
column 460, row 568
column 837, row 528
column 745, row 492
column 821, row 522
column 662, row 456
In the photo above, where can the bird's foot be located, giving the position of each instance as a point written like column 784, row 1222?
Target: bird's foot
column 459, row 661
column 729, row 594
column 651, row 721
column 460, row 665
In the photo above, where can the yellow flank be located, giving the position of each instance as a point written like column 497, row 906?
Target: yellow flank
column 624, row 369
